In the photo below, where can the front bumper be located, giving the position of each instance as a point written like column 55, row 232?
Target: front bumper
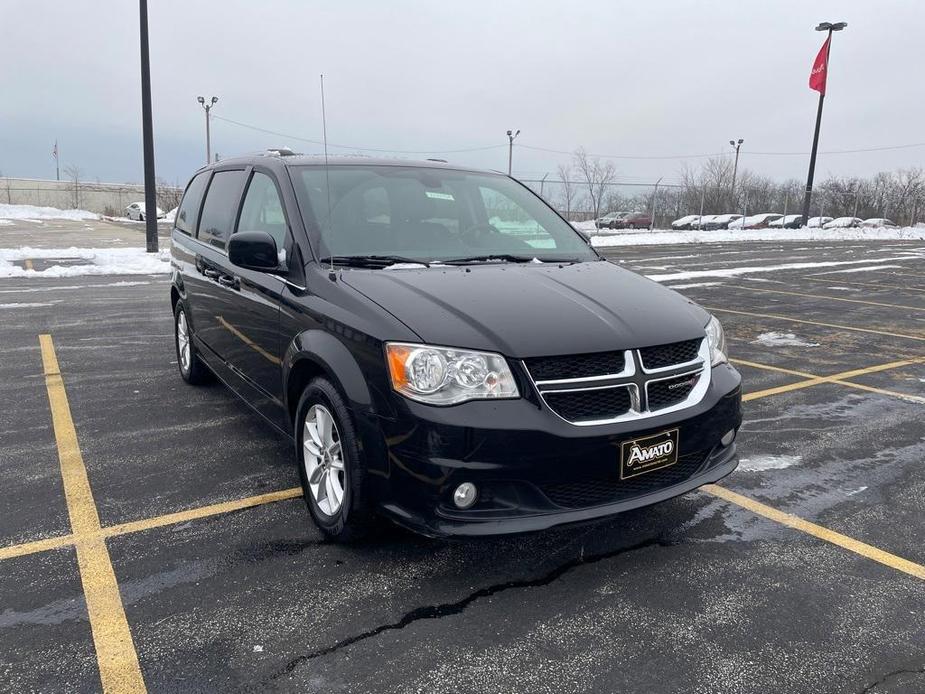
column 534, row 470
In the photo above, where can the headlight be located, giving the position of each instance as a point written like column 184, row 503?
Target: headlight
column 442, row 376
column 716, row 338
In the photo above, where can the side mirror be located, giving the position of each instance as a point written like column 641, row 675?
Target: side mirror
column 254, row 250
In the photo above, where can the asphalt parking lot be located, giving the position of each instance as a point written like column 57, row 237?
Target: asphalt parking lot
column 151, row 535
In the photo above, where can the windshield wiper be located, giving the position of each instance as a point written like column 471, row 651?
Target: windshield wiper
column 507, row 257
column 373, row 261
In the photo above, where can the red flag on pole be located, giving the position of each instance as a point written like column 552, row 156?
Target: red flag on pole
column 820, row 68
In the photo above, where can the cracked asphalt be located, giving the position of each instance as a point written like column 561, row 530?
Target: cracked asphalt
column 693, row 595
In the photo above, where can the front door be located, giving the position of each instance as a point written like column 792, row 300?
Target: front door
column 248, row 324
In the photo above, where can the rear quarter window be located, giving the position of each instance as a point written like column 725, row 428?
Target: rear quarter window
column 220, row 208
column 189, row 206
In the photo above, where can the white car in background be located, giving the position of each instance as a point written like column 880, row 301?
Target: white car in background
column 136, row 211
column 816, row 222
column 755, row 221
column 720, row 221
column 878, row 222
column 843, row 223
column 684, row 222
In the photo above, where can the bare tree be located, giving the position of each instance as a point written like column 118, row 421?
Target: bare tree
column 168, row 196
column 75, row 174
column 596, row 176
column 564, row 172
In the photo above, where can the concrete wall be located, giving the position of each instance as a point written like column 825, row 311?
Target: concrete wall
column 102, row 198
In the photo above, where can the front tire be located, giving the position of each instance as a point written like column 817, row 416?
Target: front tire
column 192, row 370
column 331, row 467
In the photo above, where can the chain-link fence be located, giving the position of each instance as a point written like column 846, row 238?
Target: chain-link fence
column 102, row 198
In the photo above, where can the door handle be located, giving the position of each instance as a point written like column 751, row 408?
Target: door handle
column 229, row 281
column 210, row 273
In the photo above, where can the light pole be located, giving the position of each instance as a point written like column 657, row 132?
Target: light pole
column 817, row 80
column 207, row 105
column 735, row 167
column 655, row 202
column 511, row 136
column 147, row 136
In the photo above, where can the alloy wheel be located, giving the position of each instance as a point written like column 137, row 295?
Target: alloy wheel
column 183, row 341
column 323, row 459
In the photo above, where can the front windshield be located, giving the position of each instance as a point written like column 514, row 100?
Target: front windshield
column 429, row 214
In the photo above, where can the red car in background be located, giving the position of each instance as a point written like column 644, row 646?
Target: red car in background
column 631, row 220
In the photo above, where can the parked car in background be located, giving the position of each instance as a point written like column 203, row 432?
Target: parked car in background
column 843, row 223
column 878, row 222
column 606, row 222
column 685, row 222
column 702, row 221
column 755, row 221
column 816, row 222
column 136, row 211
column 789, row 221
column 632, row 220
column 719, row 221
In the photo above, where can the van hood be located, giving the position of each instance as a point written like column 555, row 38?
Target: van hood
column 532, row 309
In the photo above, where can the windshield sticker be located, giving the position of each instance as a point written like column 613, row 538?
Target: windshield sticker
column 438, row 196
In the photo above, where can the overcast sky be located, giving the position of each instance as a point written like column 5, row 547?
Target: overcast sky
column 633, row 78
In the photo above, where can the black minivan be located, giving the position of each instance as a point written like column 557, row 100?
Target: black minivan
column 442, row 347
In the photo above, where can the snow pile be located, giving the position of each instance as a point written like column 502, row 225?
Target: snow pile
column 102, row 261
column 769, row 462
column 33, row 212
column 782, row 340
column 661, row 237
column 171, row 216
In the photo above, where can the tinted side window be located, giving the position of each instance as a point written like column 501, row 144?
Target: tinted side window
column 189, row 207
column 220, row 207
column 263, row 210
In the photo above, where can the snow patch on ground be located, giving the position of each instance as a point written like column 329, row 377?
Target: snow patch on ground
column 768, row 462
column 862, row 269
column 695, row 285
column 102, row 261
column 660, row 237
column 28, row 305
column 31, row 213
column 736, row 271
column 782, row 340
column 5, row 222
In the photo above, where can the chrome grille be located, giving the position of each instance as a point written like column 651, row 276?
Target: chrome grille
column 602, row 388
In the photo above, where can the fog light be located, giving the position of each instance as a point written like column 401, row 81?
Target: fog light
column 728, row 437
column 465, row 495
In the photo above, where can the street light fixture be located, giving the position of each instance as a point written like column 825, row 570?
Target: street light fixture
column 511, row 136
column 207, row 105
column 735, row 168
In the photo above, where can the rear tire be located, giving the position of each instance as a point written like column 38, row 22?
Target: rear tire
column 331, row 467
column 192, row 370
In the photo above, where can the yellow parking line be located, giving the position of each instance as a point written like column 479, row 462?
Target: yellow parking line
column 115, row 650
column 825, row 296
column 35, row 546
column 839, row 378
column 777, row 390
column 27, row 264
column 866, row 284
column 50, row 543
column 818, row 531
column 852, row 328
column 201, row 512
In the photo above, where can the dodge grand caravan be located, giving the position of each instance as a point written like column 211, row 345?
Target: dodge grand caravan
column 443, row 349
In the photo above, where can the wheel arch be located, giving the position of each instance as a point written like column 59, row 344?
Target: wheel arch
column 315, row 353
